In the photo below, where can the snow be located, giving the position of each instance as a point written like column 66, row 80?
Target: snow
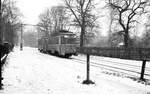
column 32, row 72
column 131, row 65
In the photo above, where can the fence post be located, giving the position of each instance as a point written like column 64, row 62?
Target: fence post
column 143, row 70
column 88, row 81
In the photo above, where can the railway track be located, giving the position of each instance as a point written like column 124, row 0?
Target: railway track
column 127, row 69
column 129, row 65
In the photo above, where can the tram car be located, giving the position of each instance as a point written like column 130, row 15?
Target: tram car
column 62, row 43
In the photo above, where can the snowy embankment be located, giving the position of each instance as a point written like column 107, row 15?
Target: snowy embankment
column 120, row 67
column 32, row 72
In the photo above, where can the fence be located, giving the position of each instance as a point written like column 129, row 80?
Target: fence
column 122, row 53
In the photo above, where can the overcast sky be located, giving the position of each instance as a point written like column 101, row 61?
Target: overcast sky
column 32, row 8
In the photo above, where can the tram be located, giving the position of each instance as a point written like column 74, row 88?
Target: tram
column 62, row 43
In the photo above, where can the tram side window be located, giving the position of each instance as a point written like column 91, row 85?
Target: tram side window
column 68, row 40
column 63, row 40
column 39, row 41
column 54, row 40
column 71, row 40
column 50, row 41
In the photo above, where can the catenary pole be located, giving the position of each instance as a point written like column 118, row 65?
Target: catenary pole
column 21, row 39
column 1, row 37
column 1, row 42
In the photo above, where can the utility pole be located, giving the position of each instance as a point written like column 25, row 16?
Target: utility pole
column 21, row 39
column 88, row 81
column 1, row 33
column 1, row 78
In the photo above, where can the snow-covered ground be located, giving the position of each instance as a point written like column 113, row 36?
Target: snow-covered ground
column 32, row 72
column 120, row 66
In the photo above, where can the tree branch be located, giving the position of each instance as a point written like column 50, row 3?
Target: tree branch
column 69, row 6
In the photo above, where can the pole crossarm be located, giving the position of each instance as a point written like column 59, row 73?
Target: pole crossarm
column 31, row 25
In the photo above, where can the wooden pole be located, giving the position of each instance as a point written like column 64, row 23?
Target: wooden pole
column 88, row 81
column 88, row 67
column 1, row 45
column 143, row 70
column 21, row 40
column 1, row 32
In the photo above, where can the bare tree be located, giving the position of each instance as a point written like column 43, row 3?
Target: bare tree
column 30, row 38
column 10, row 20
column 45, row 22
column 127, row 12
column 82, row 11
column 111, row 18
column 146, row 35
column 59, row 17
column 53, row 20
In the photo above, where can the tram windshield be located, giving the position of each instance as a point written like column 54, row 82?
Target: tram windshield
column 69, row 39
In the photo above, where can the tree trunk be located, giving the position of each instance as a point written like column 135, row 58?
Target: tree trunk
column 82, row 36
column 126, row 39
